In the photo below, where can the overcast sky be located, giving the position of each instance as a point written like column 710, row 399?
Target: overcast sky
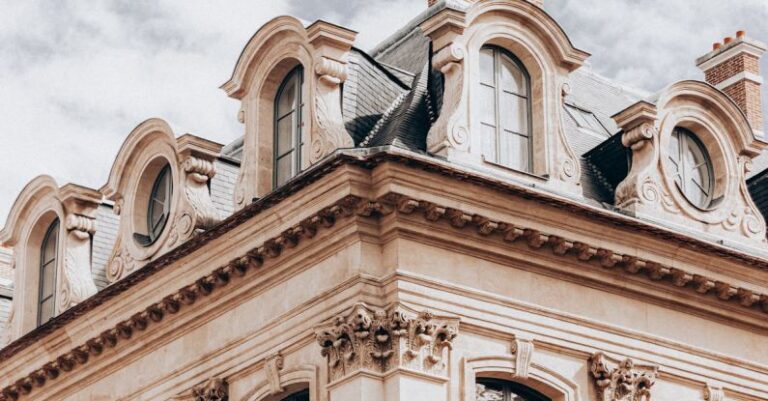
column 77, row 76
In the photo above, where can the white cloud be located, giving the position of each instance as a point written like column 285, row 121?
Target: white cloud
column 77, row 77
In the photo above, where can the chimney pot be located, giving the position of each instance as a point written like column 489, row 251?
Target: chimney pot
column 741, row 34
column 716, row 46
column 728, row 40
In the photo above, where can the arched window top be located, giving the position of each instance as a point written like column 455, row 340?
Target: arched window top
column 502, row 390
column 691, row 167
column 505, row 109
column 299, row 396
column 48, row 262
column 288, row 125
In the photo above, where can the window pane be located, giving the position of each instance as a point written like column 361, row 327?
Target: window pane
column 486, row 66
column 512, row 78
column 49, row 248
column 46, row 310
column 48, row 273
column 285, row 134
column 514, row 151
column 284, row 168
column 487, row 105
column 287, row 101
column 513, row 112
column 489, row 143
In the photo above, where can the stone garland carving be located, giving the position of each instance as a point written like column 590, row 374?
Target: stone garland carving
column 212, row 390
column 450, row 131
column 621, row 380
column 77, row 283
column 382, row 340
column 328, row 133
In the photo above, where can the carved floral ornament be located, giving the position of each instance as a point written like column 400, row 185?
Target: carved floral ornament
column 621, row 380
column 213, row 390
column 649, row 189
column 322, row 49
column 457, row 36
column 378, row 332
column 151, row 146
column 37, row 206
column 381, row 340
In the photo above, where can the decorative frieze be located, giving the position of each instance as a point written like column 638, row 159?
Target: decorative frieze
column 378, row 341
column 621, row 380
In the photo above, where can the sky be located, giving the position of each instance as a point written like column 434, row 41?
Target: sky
column 76, row 77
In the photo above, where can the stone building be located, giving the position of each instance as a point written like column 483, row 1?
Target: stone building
column 464, row 213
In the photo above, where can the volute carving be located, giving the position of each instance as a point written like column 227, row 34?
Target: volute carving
column 213, row 390
column 621, row 380
column 450, row 130
column 382, row 340
column 77, row 283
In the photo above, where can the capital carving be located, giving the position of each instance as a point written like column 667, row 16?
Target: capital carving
column 382, row 340
column 213, row 390
column 621, row 380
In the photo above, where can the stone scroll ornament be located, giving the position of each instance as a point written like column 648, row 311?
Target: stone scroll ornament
column 621, row 380
column 382, row 340
column 212, row 390
column 77, row 283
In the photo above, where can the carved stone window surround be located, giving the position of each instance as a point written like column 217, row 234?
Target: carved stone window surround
column 40, row 203
column 150, row 147
column 322, row 49
column 291, row 379
column 457, row 38
column 540, row 378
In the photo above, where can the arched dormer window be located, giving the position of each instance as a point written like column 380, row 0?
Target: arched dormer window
column 502, row 390
column 505, row 109
column 48, row 260
column 288, row 125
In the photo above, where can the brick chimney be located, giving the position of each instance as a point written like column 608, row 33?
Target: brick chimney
column 733, row 67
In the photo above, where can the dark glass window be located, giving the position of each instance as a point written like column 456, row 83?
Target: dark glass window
column 505, row 109
column 288, row 125
column 692, row 167
column 300, row 396
column 48, row 257
column 500, row 390
column 159, row 208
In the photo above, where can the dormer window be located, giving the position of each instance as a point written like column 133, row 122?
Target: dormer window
column 159, row 203
column 505, row 109
column 692, row 168
column 48, row 257
column 288, row 124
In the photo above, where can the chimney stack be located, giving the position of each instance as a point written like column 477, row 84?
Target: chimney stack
column 733, row 67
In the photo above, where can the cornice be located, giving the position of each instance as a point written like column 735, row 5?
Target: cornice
column 185, row 297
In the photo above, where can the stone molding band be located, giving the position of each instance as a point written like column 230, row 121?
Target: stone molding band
column 347, row 207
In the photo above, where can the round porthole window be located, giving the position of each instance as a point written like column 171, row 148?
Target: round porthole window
column 691, row 168
column 157, row 207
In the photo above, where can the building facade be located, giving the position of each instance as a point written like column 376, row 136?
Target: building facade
column 463, row 213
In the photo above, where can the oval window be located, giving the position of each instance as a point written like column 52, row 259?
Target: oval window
column 692, row 168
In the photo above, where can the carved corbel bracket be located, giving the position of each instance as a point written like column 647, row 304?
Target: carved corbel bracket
column 642, row 184
column 332, row 45
column 713, row 392
column 272, row 366
column 212, row 390
column 386, row 339
column 80, row 206
column 523, row 349
column 445, row 29
column 621, row 380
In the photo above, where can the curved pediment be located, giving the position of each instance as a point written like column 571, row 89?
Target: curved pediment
column 278, row 32
column 36, row 191
column 533, row 17
column 152, row 131
column 718, row 104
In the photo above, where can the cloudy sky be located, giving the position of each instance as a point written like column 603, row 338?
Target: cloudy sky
column 76, row 77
